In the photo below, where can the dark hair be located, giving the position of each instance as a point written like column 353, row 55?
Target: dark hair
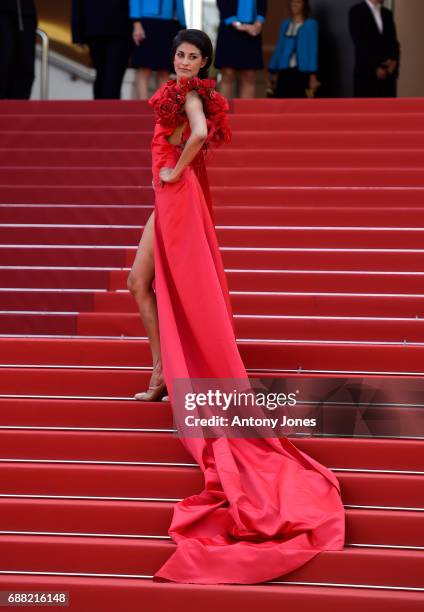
column 199, row 39
column 306, row 11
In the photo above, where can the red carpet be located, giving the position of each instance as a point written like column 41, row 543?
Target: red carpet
column 320, row 217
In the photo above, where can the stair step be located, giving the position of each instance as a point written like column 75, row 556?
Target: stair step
column 56, row 278
column 122, row 382
column 333, row 105
column 257, row 303
column 238, row 105
column 287, row 258
column 225, row 158
column 246, row 139
column 71, row 255
column 343, row 453
column 132, row 556
column 101, row 215
column 83, row 157
column 290, row 280
column 39, row 323
column 385, row 419
column 87, row 480
column 399, row 217
column 47, row 194
column 85, row 413
column 264, row 237
column 142, row 518
column 55, row 300
column 96, row 107
column 273, row 327
column 239, row 121
column 358, row 197
column 229, row 157
column 107, row 594
column 74, row 445
column 330, row 195
column 219, row 177
column 292, row 327
column 238, row 280
column 173, row 482
column 274, row 357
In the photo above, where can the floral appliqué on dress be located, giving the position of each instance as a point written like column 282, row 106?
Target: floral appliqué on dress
column 168, row 105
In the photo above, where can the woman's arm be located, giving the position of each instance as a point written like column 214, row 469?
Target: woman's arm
column 199, row 133
column 135, row 9
column 224, row 8
column 274, row 63
column 261, row 10
column 179, row 7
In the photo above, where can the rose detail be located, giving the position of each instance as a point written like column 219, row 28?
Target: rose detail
column 168, row 103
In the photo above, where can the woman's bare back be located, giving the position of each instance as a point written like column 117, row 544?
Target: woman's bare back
column 176, row 136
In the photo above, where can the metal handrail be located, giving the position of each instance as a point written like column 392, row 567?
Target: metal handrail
column 194, row 13
column 44, row 80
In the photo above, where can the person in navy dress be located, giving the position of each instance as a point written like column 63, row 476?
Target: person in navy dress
column 155, row 24
column 294, row 64
column 239, row 44
column 105, row 27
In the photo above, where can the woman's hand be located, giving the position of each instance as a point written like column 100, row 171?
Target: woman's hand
column 138, row 33
column 254, row 29
column 251, row 28
column 167, row 175
column 381, row 73
column 390, row 65
column 258, row 27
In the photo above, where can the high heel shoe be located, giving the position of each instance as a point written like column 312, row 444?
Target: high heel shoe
column 153, row 394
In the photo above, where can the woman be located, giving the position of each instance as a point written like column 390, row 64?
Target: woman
column 295, row 59
column 106, row 28
column 239, row 44
column 154, row 28
column 267, row 507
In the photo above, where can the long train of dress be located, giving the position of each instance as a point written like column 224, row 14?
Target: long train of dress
column 266, row 507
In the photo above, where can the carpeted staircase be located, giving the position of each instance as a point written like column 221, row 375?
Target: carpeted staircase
column 319, row 207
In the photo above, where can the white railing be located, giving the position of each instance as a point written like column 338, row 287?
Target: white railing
column 44, row 80
column 194, row 13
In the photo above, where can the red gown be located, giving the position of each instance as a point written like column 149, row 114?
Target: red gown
column 267, row 507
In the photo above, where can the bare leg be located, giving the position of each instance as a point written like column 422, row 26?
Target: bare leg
column 163, row 75
column 247, row 84
column 227, row 82
column 140, row 285
column 142, row 77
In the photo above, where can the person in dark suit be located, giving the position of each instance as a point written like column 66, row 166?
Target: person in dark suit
column 18, row 24
column 107, row 30
column 377, row 50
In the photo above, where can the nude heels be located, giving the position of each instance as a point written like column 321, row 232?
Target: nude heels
column 154, row 393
